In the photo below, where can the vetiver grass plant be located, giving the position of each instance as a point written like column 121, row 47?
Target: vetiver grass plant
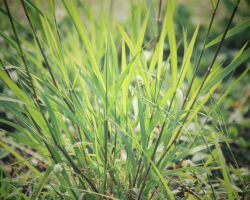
column 107, row 120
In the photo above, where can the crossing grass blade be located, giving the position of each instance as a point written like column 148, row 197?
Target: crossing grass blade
column 20, row 158
column 110, row 135
column 242, row 58
column 223, row 167
column 230, row 33
column 42, row 183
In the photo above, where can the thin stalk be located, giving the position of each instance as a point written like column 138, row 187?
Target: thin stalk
column 20, row 49
column 158, row 24
column 7, row 72
column 152, row 157
column 156, row 145
column 51, row 153
column 27, row 70
column 156, row 98
column 201, row 54
column 33, row 30
column 205, row 78
column 76, row 169
column 36, row 98
column 106, row 110
column 114, row 158
column 44, row 57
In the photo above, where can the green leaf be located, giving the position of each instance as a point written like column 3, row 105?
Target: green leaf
column 20, row 158
column 230, row 33
column 42, row 182
column 53, row 120
column 142, row 127
column 242, row 58
column 172, row 42
column 117, row 89
column 189, row 152
column 177, row 113
column 214, row 5
column 11, row 99
column 223, row 167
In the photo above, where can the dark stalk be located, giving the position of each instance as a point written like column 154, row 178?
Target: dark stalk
column 152, row 157
column 51, row 153
column 138, row 169
column 158, row 24
column 57, row 191
column 156, row 145
column 20, row 49
column 205, row 78
column 7, row 72
column 202, row 84
column 36, row 98
column 114, row 158
column 27, row 70
column 160, row 84
column 33, row 30
column 196, row 67
column 46, row 144
column 201, row 54
column 79, row 132
column 76, row 169
column 44, row 57
column 106, row 110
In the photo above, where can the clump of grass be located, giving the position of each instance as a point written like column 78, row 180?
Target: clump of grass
column 108, row 121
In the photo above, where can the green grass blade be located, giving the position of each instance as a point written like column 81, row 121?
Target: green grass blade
column 179, row 96
column 121, row 80
column 20, row 158
column 187, row 57
column 172, row 42
column 230, row 33
column 223, row 167
column 242, row 58
column 42, row 183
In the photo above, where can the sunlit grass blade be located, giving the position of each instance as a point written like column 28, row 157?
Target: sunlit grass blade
column 172, row 42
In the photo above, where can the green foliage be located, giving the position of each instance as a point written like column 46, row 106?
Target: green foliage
column 116, row 110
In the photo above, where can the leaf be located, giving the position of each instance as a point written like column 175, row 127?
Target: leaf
column 187, row 57
column 152, row 15
column 189, row 152
column 157, row 172
column 130, row 152
column 230, row 33
column 53, row 119
column 11, row 99
column 242, row 58
column 178, row 108
column 117, row 89
column 72, row 11
column 214, row 5
column 21, row 158
column 236, row 188
column 172, row 42
column 142, row 127
column 170, row 172
column 42, row 182
column 223, row 167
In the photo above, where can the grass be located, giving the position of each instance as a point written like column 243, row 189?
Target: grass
column 107, row 121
